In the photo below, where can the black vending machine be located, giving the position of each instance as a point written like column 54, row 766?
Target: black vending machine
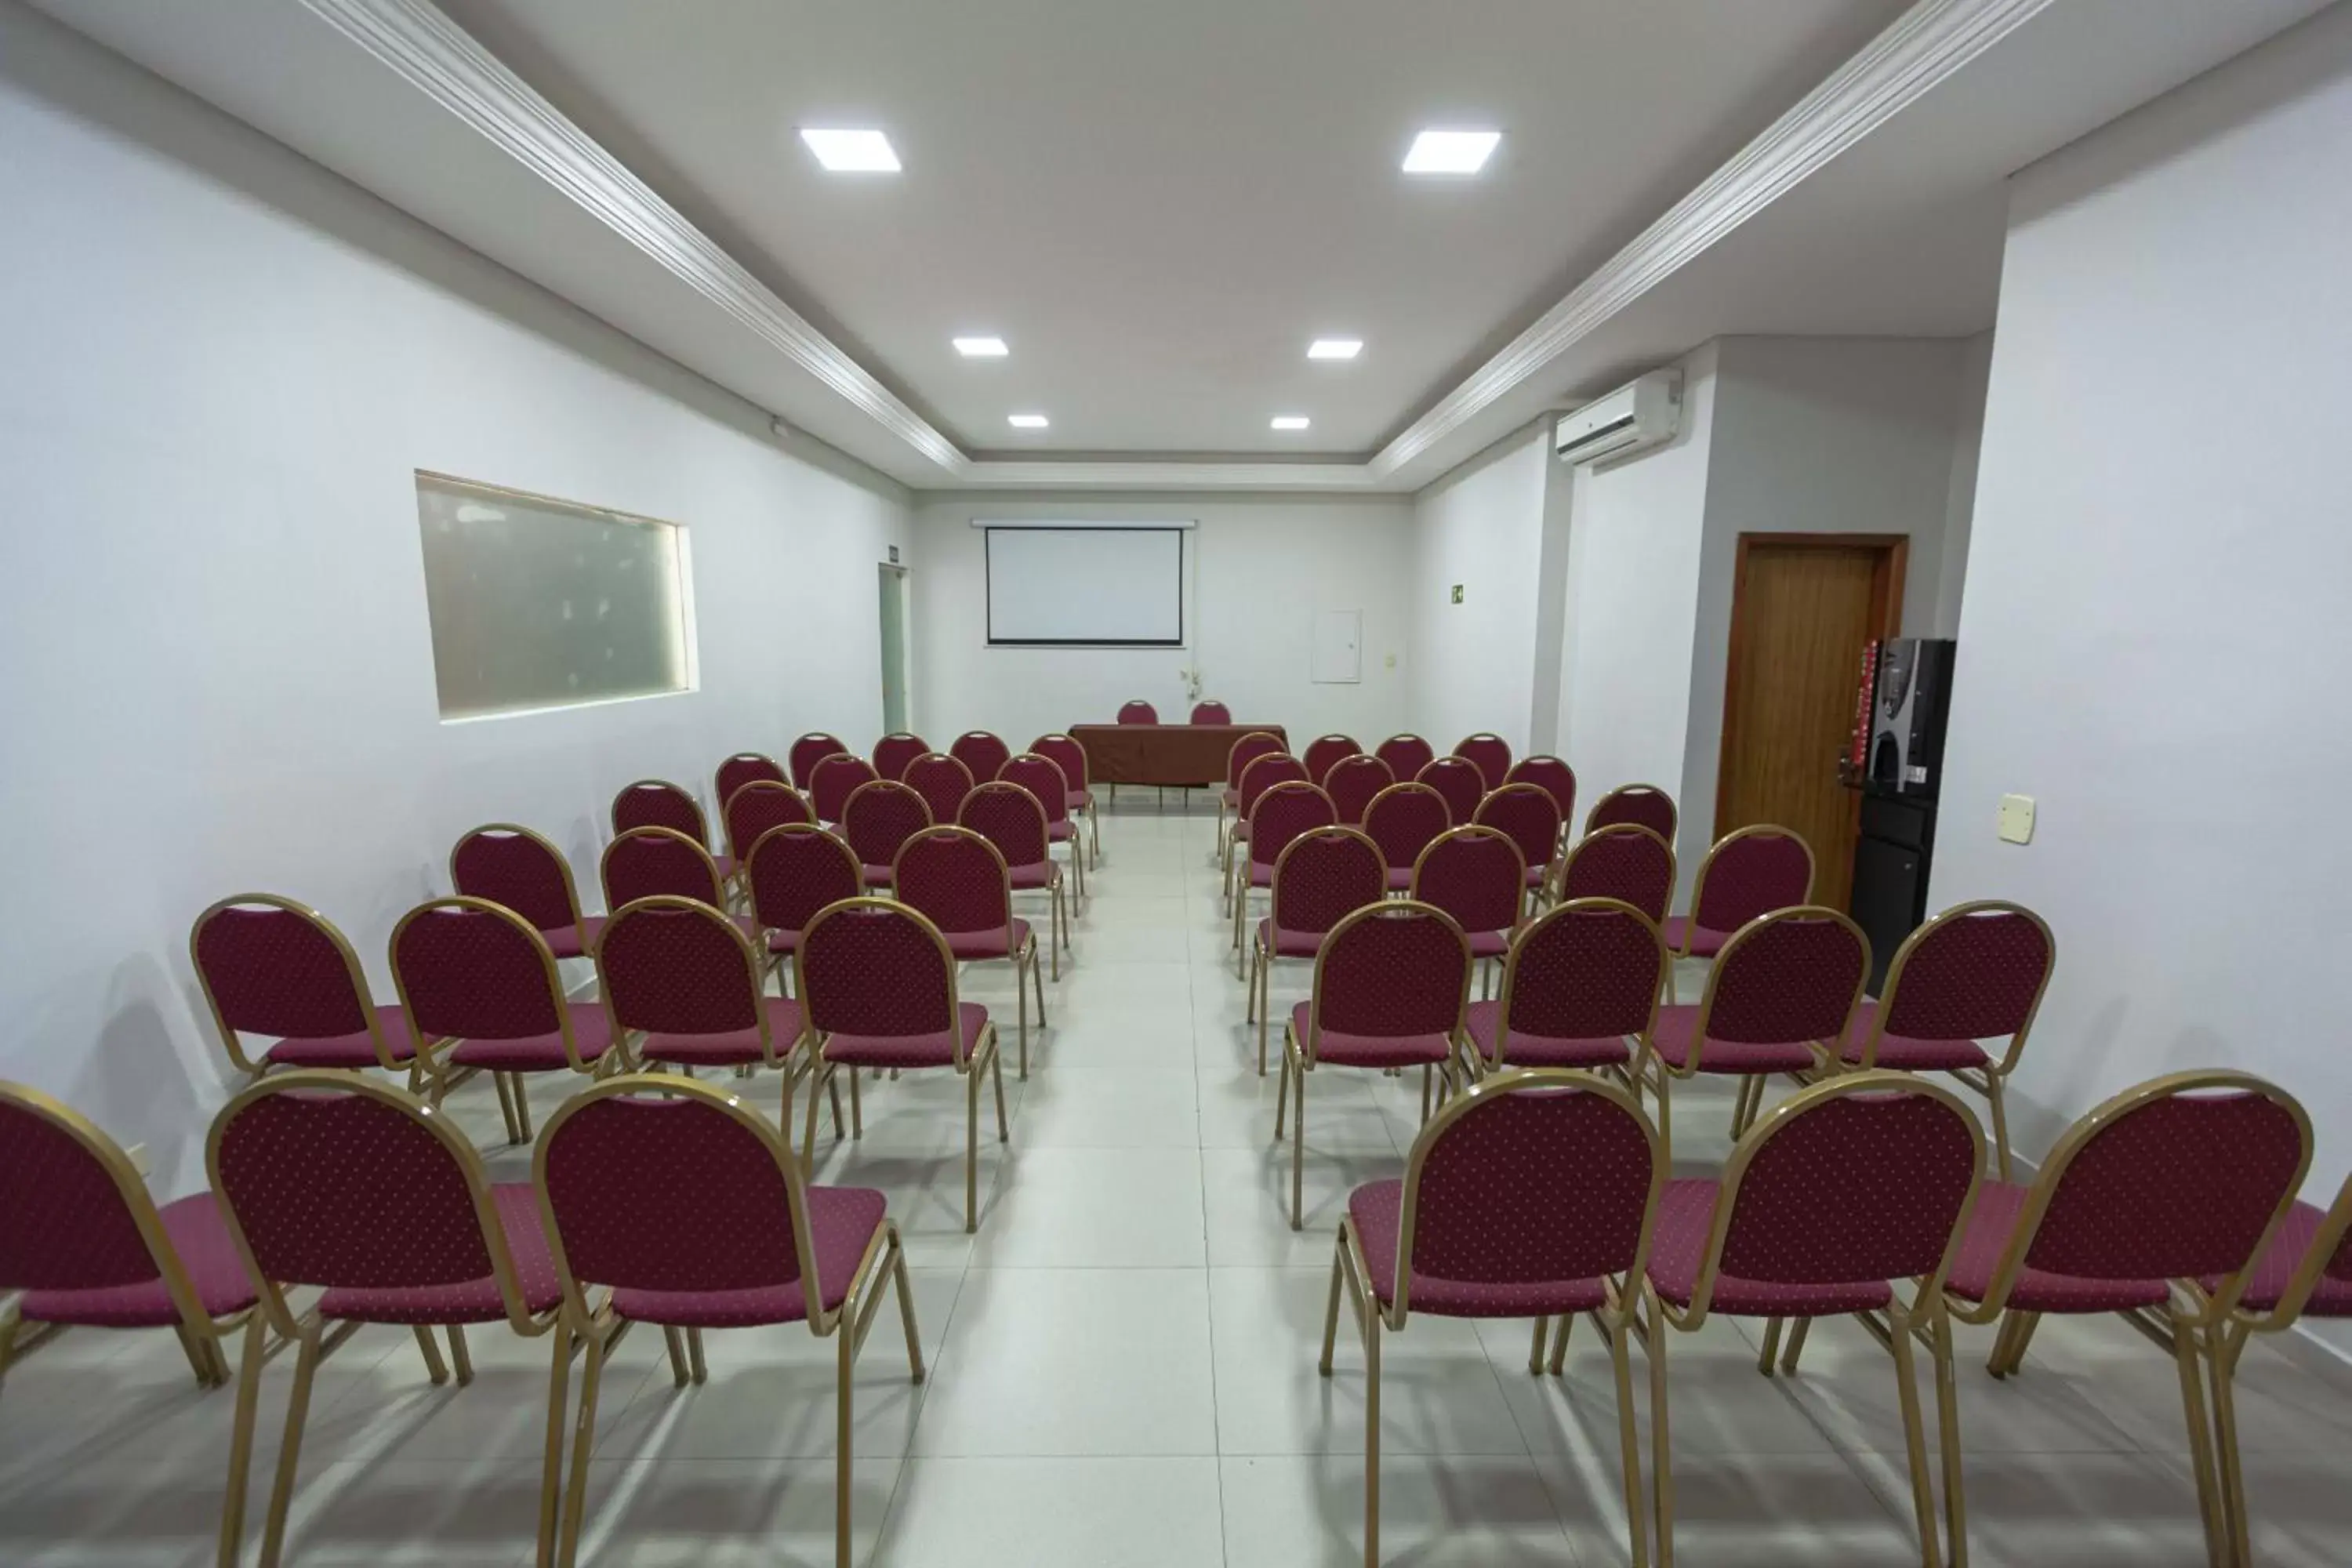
column 1897, row 764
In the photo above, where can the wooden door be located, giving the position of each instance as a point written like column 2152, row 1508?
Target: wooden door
column 1803, row 606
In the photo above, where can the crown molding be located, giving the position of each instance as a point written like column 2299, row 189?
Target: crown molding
column 1145, row 475
column 1921, row 49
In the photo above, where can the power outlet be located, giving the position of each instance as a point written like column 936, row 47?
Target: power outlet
column 2016, row 822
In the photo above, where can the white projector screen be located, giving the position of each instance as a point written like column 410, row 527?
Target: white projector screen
column 1085, row 588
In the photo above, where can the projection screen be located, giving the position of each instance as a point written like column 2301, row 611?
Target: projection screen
column 1076, row 586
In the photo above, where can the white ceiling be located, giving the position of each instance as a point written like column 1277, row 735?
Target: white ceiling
column 1158, row 206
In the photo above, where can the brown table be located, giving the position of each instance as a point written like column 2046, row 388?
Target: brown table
column 1167, row 755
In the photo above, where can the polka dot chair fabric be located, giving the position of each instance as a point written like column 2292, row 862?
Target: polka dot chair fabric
column 941, row 781
column 1262, row 774
column 657, row 803
column 760, row 805
column 1628, row 863
column 1280, row 816
column 1396, row 972
column 1042, row 778
column 892, row 753
column 658, row 862
column 670, row 968
column 875, row 969
column 742, row 768
column 1751, row 873
column 1460, row 782
column 1475, row 875
column 1971, row 974
column 64, row 1223
column 806, row 752
column 877, row 819
column 957, row 882
column 1404, row 819
column 1325, row 875
column 981, row 752
column 1579, row 984
column 514, row 867
column 1406, row 755
column 1792, row 977
column 274, row 969
column 2290, row 1248
column 1324, row 751
column 1012, row 820
column 794, row 871
column 1352, row 783
column 474, row 973
column 1211, row 713
column 1643, row 805
column 1068, row 756
column 1138, row 711
column 834, row 779
column 1553, row 776
column 1246, row 749
column 1490, row 753
column 1529, row 815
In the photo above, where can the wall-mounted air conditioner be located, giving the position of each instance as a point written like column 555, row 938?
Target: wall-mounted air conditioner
column 1641, row 414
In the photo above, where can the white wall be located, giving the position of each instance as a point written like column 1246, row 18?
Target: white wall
column 223, row 365
column 1260, row 569
column 1481, row 526
column 1961, row 496
column 2156, row 587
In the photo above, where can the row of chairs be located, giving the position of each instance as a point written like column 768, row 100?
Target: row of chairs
column 828, row 771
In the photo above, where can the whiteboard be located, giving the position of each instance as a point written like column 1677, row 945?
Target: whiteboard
column 1085, row 588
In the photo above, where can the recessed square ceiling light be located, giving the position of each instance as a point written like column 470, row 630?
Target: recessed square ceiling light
column 1335, row 348
column 852, row 152
column 1290, row 421
column 1451, row 152
column 981, row 348
column 1026, row 421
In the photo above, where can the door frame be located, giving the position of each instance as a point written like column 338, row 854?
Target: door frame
column 1886, row 615
column 893, row 572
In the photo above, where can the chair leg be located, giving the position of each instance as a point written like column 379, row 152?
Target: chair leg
column 1947, row 1425
column 1629, row 1444
column 694, row 1363
column 290, row 1451
column 2201, row 1456
column 1796, row 1345
column 845, row 1385
column 1424, row 1094
column 817, row 1070
column 2224, row 1343
column 1299, row 1149
column 1665, row 1125
column 1535, row 1352
column 675, row 1342
column 558, row 1380
column 1373, row 1326
column 1331, row 1306
column 1037, row 981
column 856, row 1105
column 1661, row 1467
column 1559, row 1343
column 583, row 1438
column 1282, row 1092
column 996, row 1077
column 1264, row 991
column 906, row 1307
column 1915, row 1437
column 461, row 1359
column 522, row 1107
column 240, row 1443
column 1999, row 1107
column 433, row 1368
column 1771, row 1346
column 970, row 1145
column 192, row 1345
column 1021, row 999
column 505, row 1107
column 1249, row 987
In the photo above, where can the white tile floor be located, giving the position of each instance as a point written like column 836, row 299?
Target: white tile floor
column 1123, row 1367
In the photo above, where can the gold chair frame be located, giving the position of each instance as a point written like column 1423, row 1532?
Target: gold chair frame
column 1698, row 888
column 562, row 863
column 1022, row 955
column 1239, row 879
column 1230, row 840
column 1557, row 890
column 414, row 1070
column 1094, row 821
column 1476, row 1066
column 1262, row 958
column 1519, row 917
column 1233, row 782
column 1607, row 795
column 1057, row 914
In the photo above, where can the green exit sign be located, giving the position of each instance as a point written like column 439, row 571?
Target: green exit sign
column 1457, row 592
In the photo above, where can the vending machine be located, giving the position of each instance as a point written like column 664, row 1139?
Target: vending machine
column 1896, row 761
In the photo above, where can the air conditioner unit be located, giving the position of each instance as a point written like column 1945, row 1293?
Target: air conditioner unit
column 1641, row 414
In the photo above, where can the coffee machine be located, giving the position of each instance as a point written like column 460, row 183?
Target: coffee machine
column 1897, row 764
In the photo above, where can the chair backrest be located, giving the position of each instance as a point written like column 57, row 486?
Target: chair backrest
column 1865, row 1177
column 742, row 769
column 1490, row 752
column 1529, row 815
column 807, row 751
column 1406, row 754
column 1554, row 776
column 657, row 803
column 1325, row 750
column 758, row 807
column 1786, row 978
column 1976, row 971
column 1065, row 753
column 982, row 752
column 798, row 870
column 956, row 880
column 1281, row 815
column 1246, row 750
column 1262, row 774
column 1643, row 805
column 1042, row 778
column 329, row 1180
column 73, row 1214
column 677, row 967
column 646, row 862
column 1396, row 970
column 1459, row 781
column 1475, row 875
column 874, row 967
column 834, row 780
column 941, row 781
column 665, row 1184
column 1750, row 873
column 893, row 752
column 1010, row 817
column 1211, row 713
column 880, row 816
column 1351, row 783
column 1325, row 875
column 1626, row 862
column 1591, row 970
column 1529, row 1178
column 474, row 971
column 1138, row 711
column 1405, row 819
column 509, row 864
column 271, row 966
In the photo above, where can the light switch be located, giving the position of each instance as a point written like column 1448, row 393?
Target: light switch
column 2017, row 819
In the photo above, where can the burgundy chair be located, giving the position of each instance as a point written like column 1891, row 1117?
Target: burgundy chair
column 981, row 752
column 957, row 879
column 1010, row 817
column 758, row 807
column 1044, row 778
column 740, row 769
column 1405, row 819
column 1490, row 752
column 1474, row 874
column 1070, row 756
column 834, row 780
column 1322, row 876
column 1643, row 805
column 477, row 972
column 646, row 862
column 1847, row 1187
column 509, row 864
column 877, row 818
column 1211, row 713
column 1747, row 873
column 1784, row 980
column 1259, row 774
column 1389, row 985
column 1626, row 862
column 807, row 751
column 1138, row 711
column 690, row 1209
column 1406, row 755
column 1460, row 782
column 84, row 1243
column 1530, row 815
column 941, row 781
column 794, row 871
column 1325, row 750
column 1279, row 816
column 380, row 1201
column 893, row 752
column 2161, row 1205
column 1351, row 783
column 1975, row 972
column 1551, row 775
column 1521, row 1199
column 657, row 803
column 688, row 983
column 271, row 967
column 1581, row 982
column 1246, row 750
column 877, row 986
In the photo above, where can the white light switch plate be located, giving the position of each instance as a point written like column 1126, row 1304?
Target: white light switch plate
column 2017, row 819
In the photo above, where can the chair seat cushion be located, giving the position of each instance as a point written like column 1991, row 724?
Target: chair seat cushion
column 875, row 876
column 724, row 865
column 988, row 943
column 592, row 1034
column 1229, row 798
column 1484, row 1021
column 841, row 1223
column 1034, row 875
column 346, row 1050
column 1992, row 1223
column 1489, row 943
column 1400, row 878
column 469, row 1300
column 1704, row 942
column 1241, row 831
column 2330, row 1297
column 1061, row 832
column 1378, row 1209
column 200, row 1237
column 1908, row 1053
column 1289, row 944
column 779, row 941
column 1368, row 1050
column 1686, row 1218
column 733, row 1047
column 1539, row 873
column 574, row 940
column 1673, row 1037
column 1077, row 800
column 937, row 1050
